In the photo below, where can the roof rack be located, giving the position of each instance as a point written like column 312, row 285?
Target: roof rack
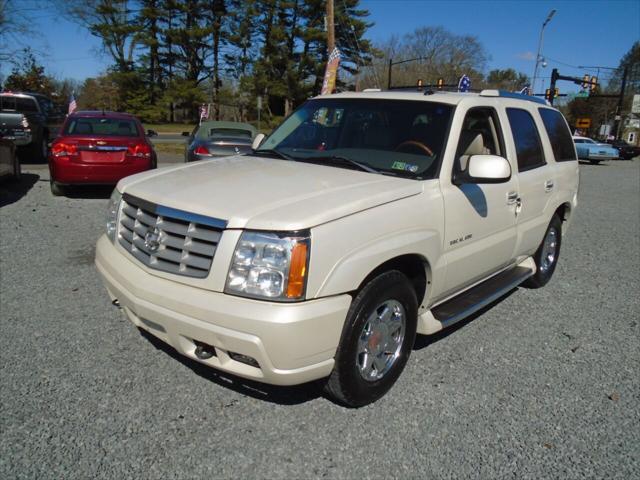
column 507, row 94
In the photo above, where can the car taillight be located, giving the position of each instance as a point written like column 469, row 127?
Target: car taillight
column 25, row 122
column 201, row 150
column 62, row 149
column 140, row 150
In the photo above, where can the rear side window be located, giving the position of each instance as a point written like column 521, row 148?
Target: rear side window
column 526, row 139
column 19, row 104
column 116, row 127
column 559, row 135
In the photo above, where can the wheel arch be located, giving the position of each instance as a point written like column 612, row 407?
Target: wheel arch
column 564, row 211
column 415, row 266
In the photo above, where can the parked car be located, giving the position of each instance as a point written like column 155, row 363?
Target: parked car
column 99, row 148
column 625, row 150
column 593, row 151
column 31, row 120
column 219, row 139
column 9, row 162
column 363, row 219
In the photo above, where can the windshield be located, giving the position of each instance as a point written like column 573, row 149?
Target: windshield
column 120, row 127
column 397, row 137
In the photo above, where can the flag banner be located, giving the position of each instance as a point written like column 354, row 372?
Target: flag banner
column 526, row 90
column 464, row 84
column 331, row 72
column 72, row 104
column 204, row 111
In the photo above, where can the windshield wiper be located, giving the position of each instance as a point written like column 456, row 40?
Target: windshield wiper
column 338, row 160
column 273, row 151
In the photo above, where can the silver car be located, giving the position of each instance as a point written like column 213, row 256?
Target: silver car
column 219, row 139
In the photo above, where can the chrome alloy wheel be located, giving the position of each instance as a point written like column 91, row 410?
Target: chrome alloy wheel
column 549, row 250
column 381, row 340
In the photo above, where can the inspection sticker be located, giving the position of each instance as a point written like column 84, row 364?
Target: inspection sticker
column 407, row 167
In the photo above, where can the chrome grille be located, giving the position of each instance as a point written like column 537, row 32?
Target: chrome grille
column 168, row 240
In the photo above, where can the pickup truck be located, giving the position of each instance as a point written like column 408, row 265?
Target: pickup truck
column 30, row 120
column 364, row 219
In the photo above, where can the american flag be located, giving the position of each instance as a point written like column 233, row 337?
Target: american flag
column 464, row 84
column 72, row 104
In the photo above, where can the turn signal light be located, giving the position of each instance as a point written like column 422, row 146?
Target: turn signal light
column 62, row 149
column 297, row 271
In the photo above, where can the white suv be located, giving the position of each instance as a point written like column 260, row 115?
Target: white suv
column 365, row 218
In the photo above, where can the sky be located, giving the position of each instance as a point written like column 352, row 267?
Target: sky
column 581, row 33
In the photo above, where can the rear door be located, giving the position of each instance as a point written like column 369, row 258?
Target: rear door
column 536, row 178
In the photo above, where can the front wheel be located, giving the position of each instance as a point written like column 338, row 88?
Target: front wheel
column 376, row 342
column 546, row 257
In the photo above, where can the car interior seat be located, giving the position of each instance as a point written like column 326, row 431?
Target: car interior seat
column 472, row 143
column 83, row 128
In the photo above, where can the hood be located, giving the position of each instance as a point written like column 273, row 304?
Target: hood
column 266, row 193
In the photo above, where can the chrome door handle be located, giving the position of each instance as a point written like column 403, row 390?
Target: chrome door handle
column 548, row 185
column 512, row 197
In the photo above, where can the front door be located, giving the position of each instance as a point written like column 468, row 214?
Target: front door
column 480, row 219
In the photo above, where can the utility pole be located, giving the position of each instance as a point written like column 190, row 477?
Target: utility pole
column 618, row 117
column 331, row 35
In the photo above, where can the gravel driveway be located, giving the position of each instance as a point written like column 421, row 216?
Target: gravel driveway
column 543, row 384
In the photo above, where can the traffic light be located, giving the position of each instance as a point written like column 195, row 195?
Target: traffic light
column 594, row 84
column 586, row 80
column 556, row 93
column 547, row 94
column 440, row 83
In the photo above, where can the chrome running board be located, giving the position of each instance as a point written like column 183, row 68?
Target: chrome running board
column 474, row 299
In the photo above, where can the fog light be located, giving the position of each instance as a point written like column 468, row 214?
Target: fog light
column 246, row 359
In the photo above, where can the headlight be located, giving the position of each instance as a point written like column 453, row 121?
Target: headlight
column 269, row 265
column 112, row 214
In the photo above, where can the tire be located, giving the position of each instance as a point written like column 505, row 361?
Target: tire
column 39, row 150
column 17, row 168
column 546, row 257
column 56, row 189
column 356, row 380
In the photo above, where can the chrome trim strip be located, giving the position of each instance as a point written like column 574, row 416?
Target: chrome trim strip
column 163, row 211
column 487, row 300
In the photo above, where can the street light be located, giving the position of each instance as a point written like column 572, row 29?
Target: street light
column 538, row 57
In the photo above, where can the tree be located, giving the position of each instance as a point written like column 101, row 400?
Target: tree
column 441, row 54
column 29, row 76
column 507, row 79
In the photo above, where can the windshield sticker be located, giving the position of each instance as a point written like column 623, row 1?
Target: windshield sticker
column 407, row 167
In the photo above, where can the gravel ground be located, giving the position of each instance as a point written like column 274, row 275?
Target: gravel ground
column 543, row 384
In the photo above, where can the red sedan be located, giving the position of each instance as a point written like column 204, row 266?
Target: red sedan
column 98, row 148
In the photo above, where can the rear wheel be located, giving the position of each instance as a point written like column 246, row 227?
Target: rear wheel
column 376, row 342
column 546, row 257
column 56, row 189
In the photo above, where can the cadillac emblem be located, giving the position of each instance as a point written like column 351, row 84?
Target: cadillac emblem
column 152, row 240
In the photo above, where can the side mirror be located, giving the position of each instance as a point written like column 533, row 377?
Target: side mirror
column 152, row 133
column 258, row 141
column 485, row 169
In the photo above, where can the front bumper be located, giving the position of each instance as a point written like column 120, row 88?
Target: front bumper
column 292, row 343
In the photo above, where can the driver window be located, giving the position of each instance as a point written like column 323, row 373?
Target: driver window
column 479, row 136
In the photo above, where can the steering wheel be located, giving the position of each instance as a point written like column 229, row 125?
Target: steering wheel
column 415, row 143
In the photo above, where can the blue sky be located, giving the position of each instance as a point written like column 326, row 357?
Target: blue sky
column 585, row 32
